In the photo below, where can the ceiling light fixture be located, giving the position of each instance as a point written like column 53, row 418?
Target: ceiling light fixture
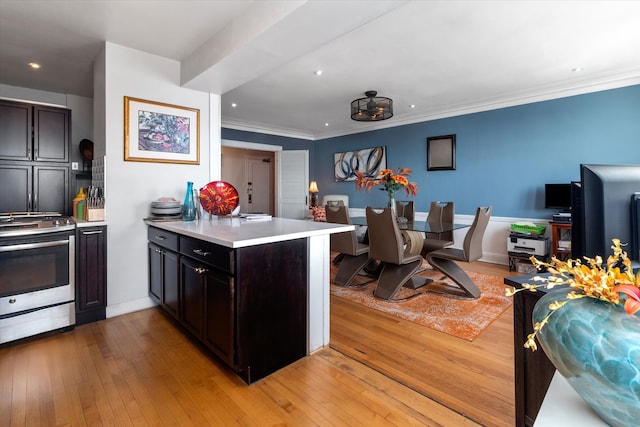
column 234, row 105
column 318, row 72
column 34, row 65
column 372, row 108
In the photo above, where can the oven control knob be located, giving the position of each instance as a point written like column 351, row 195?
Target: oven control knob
column 69, row 222
column 56, row 222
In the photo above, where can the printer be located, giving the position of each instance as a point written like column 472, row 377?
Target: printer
column 528, row 245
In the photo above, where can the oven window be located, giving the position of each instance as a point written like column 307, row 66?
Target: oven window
column 33, row 266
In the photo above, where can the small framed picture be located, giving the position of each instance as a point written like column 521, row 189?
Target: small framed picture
column 441, row 153
column 159, row 132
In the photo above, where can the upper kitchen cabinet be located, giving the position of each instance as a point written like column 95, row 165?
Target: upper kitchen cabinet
column 30, row 132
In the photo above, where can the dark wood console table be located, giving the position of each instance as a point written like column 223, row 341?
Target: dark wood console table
column 533, row 370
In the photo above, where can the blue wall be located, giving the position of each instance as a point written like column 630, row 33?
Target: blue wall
column 503, row 157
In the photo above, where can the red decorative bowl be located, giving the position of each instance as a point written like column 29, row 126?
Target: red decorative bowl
column 219, row 198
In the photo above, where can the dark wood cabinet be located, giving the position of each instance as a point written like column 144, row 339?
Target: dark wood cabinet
column 163, row 270
column 192, row 304
column 247, row 305
column 30, row 188
column 219, row 331
column 51, row 134
column 91, row 274
column 32, row 132
column 533, row 370
column 34, row 158
column 154, row 257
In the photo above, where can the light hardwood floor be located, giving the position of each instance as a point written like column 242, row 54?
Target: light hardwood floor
column 140, row 369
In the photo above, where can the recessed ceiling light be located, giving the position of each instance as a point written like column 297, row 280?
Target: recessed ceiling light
column 412, row 106
column 34, row 65
column 326, row 124
column 577, row 69
column 318, row 72
column 234, row 105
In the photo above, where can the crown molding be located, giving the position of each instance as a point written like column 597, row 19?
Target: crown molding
column 630, row 77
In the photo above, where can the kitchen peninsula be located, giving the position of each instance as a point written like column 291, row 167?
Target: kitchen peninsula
column 256, row 293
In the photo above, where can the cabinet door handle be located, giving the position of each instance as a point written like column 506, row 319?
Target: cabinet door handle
column 161, row 238
column 87, row 233
column 201, row 252
column 200, row 270
column 158, row 251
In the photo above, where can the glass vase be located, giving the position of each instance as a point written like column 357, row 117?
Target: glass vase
column 189, row 205
column 392, row 204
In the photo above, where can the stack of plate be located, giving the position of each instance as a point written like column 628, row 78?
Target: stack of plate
column 167, row 208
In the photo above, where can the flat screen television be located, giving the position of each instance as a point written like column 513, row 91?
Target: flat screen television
column 557, row 196
column 608, row 211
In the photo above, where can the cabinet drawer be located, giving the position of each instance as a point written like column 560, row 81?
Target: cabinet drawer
column 209, row 253
column 163, row 238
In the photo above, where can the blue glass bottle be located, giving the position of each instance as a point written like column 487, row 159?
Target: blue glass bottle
column 189, row 206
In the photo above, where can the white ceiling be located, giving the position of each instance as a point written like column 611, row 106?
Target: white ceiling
column 445, row 57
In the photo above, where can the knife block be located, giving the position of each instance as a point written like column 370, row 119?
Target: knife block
column 95, row 214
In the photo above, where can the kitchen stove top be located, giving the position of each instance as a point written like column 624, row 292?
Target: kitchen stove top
column 16, row 224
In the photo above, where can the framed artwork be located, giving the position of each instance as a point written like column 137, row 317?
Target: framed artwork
column 369, row 161
column 162, row 133
column 441, row 153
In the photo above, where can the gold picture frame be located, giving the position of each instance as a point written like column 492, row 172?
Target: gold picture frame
column 160, row 132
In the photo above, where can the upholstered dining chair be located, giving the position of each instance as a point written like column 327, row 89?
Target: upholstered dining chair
column 353, row 256
column 445, row 259
column 386, row 245
column 439, row 213
column 405, row 209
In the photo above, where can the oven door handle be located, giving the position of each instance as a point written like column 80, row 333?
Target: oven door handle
column 38, row 245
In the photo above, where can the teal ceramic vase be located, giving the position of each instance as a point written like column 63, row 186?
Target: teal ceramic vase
column 595, row 345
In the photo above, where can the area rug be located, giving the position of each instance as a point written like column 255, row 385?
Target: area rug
column 464, row 319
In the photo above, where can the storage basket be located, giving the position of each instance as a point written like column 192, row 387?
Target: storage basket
column 528, row 229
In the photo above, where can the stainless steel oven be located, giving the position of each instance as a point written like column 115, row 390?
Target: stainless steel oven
column 37, row 276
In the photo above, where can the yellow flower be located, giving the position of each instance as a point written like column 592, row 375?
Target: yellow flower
column 588, row 278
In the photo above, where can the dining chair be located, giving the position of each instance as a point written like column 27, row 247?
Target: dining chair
column 444, row 260
column 405, row 209
column 386, row 245
column 439, row 213
column 353, row 256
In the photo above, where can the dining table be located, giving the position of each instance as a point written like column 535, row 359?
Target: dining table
column 420, row 226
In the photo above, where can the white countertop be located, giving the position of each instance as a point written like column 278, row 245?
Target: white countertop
column 82, row 223
column 562, row 406
column 235, row 232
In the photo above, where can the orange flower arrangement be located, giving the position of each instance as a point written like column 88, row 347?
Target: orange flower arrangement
column 591, row 279
column 390, row 181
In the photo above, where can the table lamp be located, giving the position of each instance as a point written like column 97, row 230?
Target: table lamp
column 313, row 189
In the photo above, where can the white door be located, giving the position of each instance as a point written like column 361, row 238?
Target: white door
column 292, row 178
column 259, row 188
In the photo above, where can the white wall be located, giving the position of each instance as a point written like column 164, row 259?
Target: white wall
column 131, row 186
